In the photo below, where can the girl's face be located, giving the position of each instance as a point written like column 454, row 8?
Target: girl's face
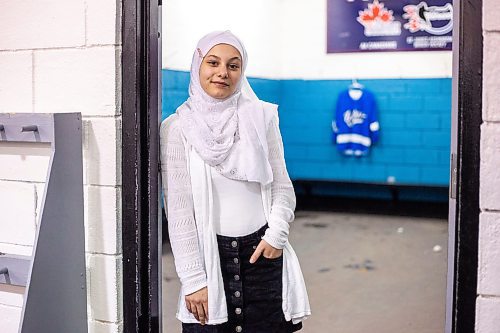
column 220, row 71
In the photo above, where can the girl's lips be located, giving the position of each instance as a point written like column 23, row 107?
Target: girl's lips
column 221, row 84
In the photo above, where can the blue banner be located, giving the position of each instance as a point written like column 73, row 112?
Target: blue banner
column 389, row 25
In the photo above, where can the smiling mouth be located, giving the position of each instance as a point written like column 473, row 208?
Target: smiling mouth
column 220, row 84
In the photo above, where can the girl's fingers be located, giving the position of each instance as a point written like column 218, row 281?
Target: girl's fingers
column 194, row 311
column 265, row 250
column 205, row 308
column 256, row 254
column 272, row 254
column 201, row 314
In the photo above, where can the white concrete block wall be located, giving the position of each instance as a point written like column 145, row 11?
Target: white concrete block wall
column 24, row 162
column 11, row 315
column 488, row 300
column 11, row 305
column 39, row 192
column 101, row 19
column 65, row 56
column 76, row 80
column 487, row 318
column 17, row 225
column 102, row 327
column 42, row 24
column 16, row 94
column 105, row 288
column 286, row 39
column 11, row 299
column 303, row 36
column 491, row 58
column 490, row 11
column 182, row 27
column 490, row 160
column 103, row 208
column 101, row 152
column 489, row 244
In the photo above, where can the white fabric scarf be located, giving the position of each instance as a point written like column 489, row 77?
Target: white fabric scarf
column 228, row 134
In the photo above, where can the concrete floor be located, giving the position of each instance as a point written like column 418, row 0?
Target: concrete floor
column 364, row 273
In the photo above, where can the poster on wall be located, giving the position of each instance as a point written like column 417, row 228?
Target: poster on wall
column 389, row 25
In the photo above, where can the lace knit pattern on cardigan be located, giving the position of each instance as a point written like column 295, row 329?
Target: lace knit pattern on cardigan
column 178, row 201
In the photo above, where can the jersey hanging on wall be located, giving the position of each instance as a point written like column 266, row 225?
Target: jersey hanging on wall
column 355, row 126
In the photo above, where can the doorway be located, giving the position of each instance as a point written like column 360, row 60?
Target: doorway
column 141, row 90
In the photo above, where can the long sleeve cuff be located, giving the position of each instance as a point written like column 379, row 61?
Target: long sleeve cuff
column 194, row 283
column 276, row 238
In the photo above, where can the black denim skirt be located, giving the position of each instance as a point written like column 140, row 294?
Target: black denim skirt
column 253, row 291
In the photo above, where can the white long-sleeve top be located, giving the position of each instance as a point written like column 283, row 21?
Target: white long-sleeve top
column 238, row 207
column 188, row 195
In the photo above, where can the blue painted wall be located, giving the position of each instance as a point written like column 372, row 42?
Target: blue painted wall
column 175, row 86
column 414, row 117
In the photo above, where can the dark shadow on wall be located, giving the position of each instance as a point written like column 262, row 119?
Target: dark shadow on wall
column 372, row 206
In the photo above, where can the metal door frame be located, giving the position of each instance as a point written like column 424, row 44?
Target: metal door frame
column 141, row 114
column 463, row 221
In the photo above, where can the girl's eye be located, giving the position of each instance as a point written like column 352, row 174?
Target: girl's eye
column 212, row 63
column 234, row 66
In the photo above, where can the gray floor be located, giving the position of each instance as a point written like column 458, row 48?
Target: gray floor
column 364, row 273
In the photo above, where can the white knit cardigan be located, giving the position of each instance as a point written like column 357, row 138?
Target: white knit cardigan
column 188, row 197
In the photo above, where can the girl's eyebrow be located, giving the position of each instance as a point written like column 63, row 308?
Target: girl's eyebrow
column 234, row 58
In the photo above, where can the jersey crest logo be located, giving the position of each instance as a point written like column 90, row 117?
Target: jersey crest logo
column 354, row 117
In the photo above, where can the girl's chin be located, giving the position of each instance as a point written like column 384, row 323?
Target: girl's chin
column 220, row 94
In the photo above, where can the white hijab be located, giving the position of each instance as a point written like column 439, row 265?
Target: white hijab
column 228, row 134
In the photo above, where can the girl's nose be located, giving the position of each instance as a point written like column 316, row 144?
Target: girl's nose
column 223, row 73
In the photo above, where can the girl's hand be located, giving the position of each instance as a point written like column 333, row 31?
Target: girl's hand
column 197, row 304
column 266, row 250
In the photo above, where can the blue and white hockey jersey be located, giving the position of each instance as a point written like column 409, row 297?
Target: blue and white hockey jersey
column 355, row 126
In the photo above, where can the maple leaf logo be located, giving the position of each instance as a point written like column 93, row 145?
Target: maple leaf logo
column 378, row 20
column 375, row 12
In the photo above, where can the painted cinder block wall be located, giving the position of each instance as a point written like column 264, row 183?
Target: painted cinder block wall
column 413, row 91
column 488, row 289
column 414, row 116
column 65, row 56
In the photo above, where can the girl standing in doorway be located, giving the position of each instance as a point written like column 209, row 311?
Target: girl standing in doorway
column 229, row 202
